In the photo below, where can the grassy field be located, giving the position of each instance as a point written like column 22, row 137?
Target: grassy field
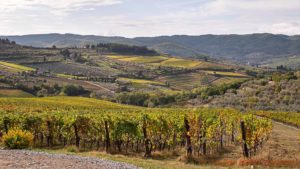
column 16, row 66
column 13, row 93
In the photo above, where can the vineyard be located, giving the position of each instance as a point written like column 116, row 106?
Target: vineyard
column 14, row 67
column 92, row 124
column 285, row 117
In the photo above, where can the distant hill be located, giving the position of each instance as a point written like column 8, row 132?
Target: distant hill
column 250, row 48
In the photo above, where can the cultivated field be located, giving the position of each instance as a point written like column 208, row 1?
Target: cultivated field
column 14, row 67
column 13, row 93
column 126, row 123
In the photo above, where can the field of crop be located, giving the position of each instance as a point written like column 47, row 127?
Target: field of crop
column 65, row 76
column 158, row 60
column 285, row 117
column 62, row 103
column 188, row 81
column 121, row 128
column 145, row 59
column 214, row 66
column 226, row 80
column 70, row 68
column 176, row 62
column 233, row 74
column 13, row 93
column 15, row 67
column 140, row 81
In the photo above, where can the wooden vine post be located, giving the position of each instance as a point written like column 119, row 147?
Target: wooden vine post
column 245, row 148
column 107, row 139
column 77, row 138
column 189, row 149
column 148, row 145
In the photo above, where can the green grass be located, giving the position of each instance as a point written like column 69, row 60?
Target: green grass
column 16, row 66
column 13, row 93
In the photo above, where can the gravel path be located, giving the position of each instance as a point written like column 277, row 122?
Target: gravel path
column 16, row 159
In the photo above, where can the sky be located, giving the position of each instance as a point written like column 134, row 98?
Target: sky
column 135, row 18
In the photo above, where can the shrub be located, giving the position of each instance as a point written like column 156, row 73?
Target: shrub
column 73, row 90
column 72, row 149
column 18, row 139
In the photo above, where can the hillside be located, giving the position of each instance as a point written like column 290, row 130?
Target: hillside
column 251, row 48
column 278, row 92
column 107, row 70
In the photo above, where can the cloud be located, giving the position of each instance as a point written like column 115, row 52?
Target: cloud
column 282, row 28
column 57, row 6
column 149, row 17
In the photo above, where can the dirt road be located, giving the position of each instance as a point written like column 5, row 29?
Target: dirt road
column 284, row 142
column 17, row 159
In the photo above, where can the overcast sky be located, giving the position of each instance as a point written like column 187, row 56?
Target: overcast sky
column 132, row 18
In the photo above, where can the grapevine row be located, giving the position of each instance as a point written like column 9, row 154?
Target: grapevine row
column 199, row 131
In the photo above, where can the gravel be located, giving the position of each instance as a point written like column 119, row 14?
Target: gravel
column 16, row 159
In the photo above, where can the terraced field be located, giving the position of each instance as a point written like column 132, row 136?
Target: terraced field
column 145, row 59
column 176, row 62
column 225, row 80
column 232, row 74
column 187, row 81
column 214, row 66
column 190, row 80
column 70, row 68
column 158, row 60
column 140, row 81
column 11, row 67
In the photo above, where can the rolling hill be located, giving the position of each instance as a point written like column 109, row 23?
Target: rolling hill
column 249, row 48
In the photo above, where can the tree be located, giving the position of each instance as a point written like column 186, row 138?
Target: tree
column 66, row 53
column 72, row 90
